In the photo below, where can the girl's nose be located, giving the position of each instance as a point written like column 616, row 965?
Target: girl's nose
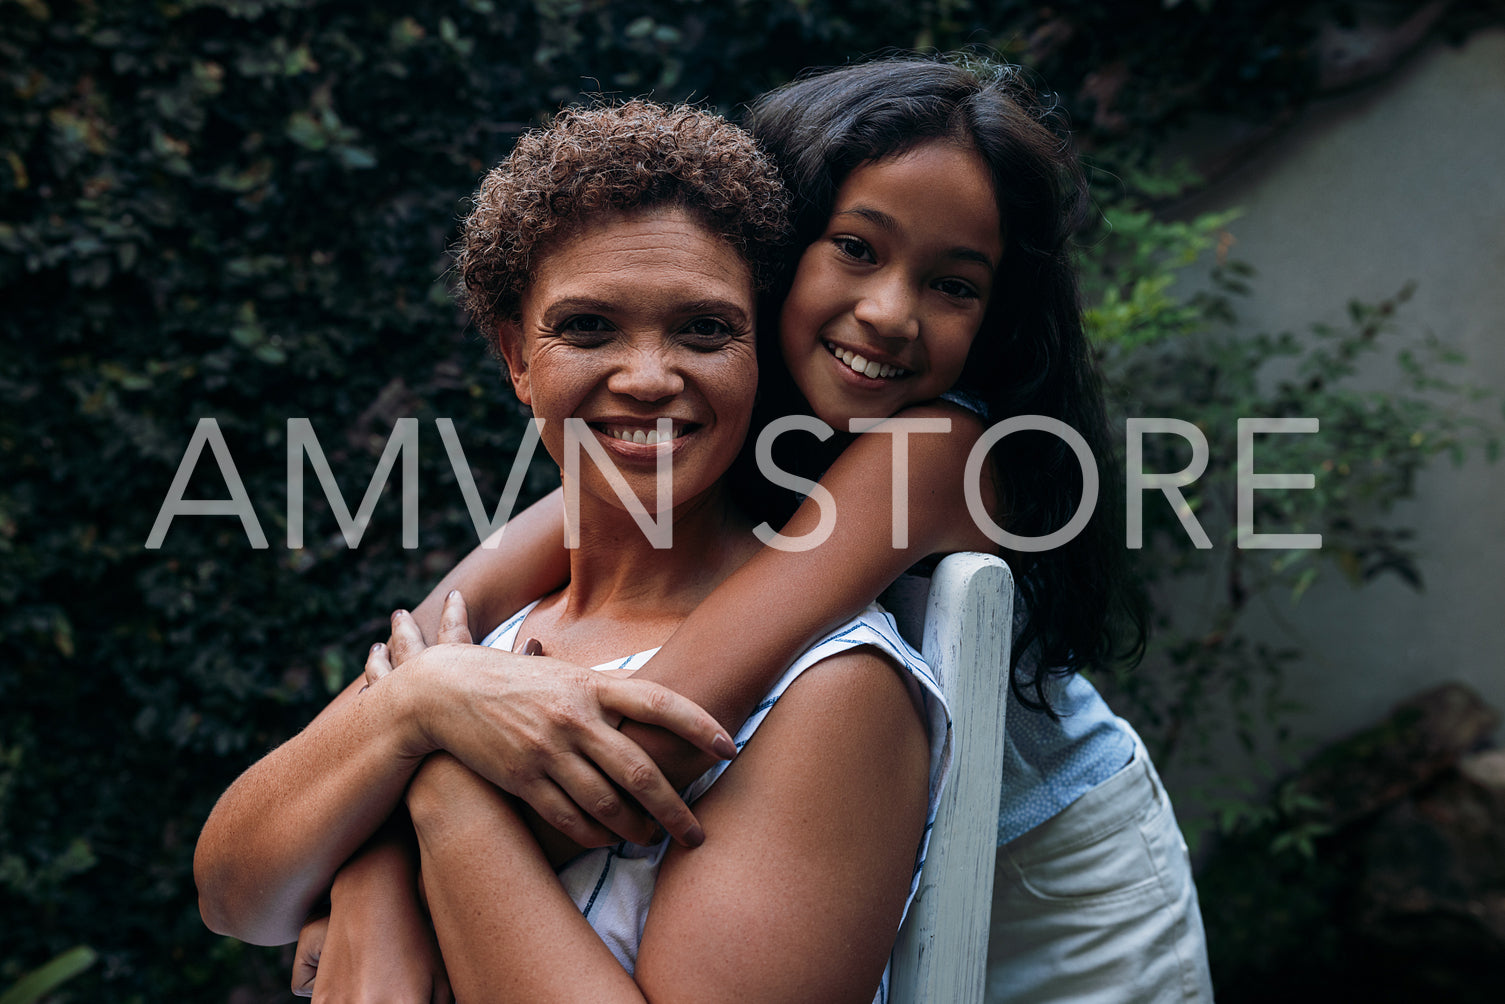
column 888, row 307
column 646, row 376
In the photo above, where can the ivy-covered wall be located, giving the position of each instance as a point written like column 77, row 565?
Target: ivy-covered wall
column 239, row 210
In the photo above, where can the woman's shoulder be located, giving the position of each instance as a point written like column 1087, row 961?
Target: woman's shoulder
column 875, row 628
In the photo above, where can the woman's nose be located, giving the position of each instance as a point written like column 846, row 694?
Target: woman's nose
column 646, row 376
column 889, row 308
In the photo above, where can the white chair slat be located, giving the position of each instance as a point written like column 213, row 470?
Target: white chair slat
column 941, row 954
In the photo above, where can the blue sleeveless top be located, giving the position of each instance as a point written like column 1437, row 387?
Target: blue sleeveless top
column 1049, row 764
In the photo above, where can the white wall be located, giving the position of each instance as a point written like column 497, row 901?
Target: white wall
column 1403, row 180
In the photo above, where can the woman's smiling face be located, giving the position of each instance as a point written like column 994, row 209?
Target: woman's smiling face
column 884, row 306
column 634, row 317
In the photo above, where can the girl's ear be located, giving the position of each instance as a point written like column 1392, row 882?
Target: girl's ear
column 515, row 353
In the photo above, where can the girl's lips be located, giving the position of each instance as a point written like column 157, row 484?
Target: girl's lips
column 860, row 365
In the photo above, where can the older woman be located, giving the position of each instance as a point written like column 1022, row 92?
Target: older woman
column 615, row 257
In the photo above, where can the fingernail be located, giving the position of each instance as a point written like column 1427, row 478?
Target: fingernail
column 532, row 647
column 694, row 836
column 452, row 594
column 723, row 747
column 377, row 647
column 399, row 613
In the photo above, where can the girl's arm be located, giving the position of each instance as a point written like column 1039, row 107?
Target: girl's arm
column 765, row 613
column 795, row 896
column 516, row 565
column 729, row 651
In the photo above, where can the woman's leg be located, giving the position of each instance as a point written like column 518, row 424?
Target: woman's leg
column 1097, row 904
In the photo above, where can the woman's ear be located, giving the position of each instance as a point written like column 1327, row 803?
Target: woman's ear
column 515, row 353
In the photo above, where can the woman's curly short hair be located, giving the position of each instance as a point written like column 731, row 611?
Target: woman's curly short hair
column 639, row 154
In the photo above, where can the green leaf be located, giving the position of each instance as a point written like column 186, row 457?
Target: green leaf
column 332, row 666
column 48, row 977
column 304, row 130
column 356, row 159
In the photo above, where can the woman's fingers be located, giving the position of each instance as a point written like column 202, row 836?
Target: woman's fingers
column 654, row 704
column 407, row 640
column 454, row 621
column 306, row 957
column 585, row 786
column 625, row 762
column 556, row 808
column 378, row 663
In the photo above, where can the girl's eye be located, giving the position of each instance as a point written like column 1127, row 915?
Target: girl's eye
column 853, row 247
column 957, row 288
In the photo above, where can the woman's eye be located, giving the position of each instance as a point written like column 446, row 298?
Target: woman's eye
column 586, row 326
column 853, row 247
column 956, row 288
column 711, row 331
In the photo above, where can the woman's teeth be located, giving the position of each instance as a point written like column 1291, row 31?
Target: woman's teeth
column 867, row 367
column 649, row 437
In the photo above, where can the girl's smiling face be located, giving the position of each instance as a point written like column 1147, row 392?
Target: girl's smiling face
column 884, row 306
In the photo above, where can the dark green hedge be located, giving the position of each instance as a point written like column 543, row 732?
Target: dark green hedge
column 239, row 209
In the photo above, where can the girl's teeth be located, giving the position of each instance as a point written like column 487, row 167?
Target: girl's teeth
column 867, row 367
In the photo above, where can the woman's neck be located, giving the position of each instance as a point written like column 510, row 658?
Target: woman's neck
column 625, row 595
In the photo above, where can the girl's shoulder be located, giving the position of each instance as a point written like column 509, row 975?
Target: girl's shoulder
column 968, row 414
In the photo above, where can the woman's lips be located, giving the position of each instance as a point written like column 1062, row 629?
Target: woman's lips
column 863, row 366
column 646, row 436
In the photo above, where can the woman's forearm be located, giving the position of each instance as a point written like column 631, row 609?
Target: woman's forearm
column 505, row 926
column 276, row 837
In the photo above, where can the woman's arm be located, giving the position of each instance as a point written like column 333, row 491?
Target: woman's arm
column 272, row 844
column 375, row 943
column 734, row 645
column 795, row 895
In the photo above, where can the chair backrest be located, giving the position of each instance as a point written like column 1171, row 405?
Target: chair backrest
column 941, row 953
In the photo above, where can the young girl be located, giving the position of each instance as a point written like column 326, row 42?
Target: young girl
column 934, row 206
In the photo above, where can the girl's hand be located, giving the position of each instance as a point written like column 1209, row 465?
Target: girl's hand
column 546, row 731
column 376, row 943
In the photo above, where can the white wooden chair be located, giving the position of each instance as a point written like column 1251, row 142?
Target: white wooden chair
column 941, row 953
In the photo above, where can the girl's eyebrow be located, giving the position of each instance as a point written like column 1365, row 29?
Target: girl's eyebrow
column 888, row 224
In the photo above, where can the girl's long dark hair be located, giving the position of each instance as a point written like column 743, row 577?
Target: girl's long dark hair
column 1031, row 355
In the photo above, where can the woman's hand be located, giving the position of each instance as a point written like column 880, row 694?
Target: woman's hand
column 375, row 944
column 546, row 731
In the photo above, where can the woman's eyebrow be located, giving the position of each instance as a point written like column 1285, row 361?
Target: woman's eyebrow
column 560, row 310
column 725, row 308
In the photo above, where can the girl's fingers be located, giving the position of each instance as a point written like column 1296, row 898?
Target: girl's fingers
column 625, row 762
column 454, row 621
column 584, row 785
column 378, row 663
column 654, row 704
column 407, row 640
column 556, row 809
